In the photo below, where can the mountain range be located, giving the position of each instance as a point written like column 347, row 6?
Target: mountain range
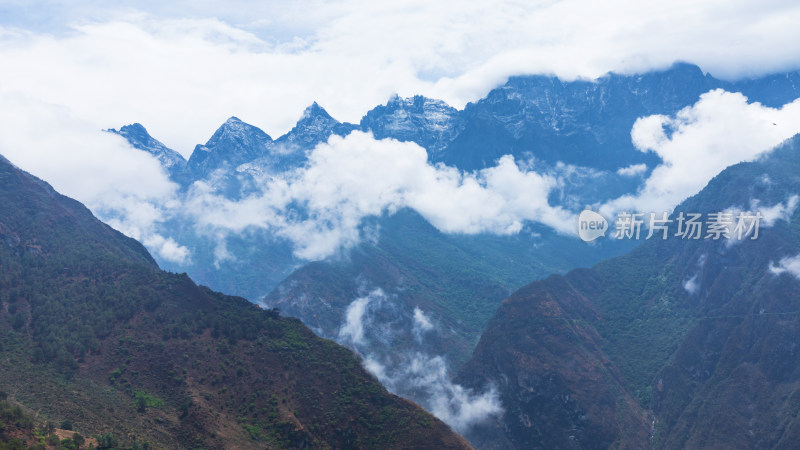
column 413, row 296
column 578, row 129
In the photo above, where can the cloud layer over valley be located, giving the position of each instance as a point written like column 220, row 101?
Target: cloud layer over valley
column 320, row 207
column 71, row 70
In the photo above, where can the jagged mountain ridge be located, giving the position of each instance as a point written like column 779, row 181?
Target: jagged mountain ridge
column 431, row 123
column 315, row 126
column 583, row 123
column 588, row 123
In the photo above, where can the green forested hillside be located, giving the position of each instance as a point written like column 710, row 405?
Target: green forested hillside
column 93, row 333
column 695, row 339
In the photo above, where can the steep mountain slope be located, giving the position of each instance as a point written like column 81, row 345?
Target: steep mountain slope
column 701, row 332
column 93, row 332
column 734, row 378
column 139, row 138
column 558, row 388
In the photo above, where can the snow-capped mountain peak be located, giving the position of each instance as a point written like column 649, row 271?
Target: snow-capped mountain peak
column 234, row 143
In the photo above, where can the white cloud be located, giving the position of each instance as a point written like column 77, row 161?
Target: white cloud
column 421, row 321
column 345, row 180
column 321, row 206
column 167, row 248
column 427, row 375
column 352, row 330
column 221, row 252
column 691, row 285
column 779, row 211
column 350, row 178
column 99, row 169
column 632, row 170
column 423, row 377
column 789, row 264
column 184, row 67
column 701, row 140
column 422, row 324
column 744, row 225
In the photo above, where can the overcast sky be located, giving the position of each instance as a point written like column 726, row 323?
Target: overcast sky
column 69, row 69
column 182, row 67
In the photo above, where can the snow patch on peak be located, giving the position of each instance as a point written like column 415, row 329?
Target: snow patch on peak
column 234, row 129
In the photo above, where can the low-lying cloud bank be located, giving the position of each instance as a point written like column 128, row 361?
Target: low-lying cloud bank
column 348, row 179
column 320, row 207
